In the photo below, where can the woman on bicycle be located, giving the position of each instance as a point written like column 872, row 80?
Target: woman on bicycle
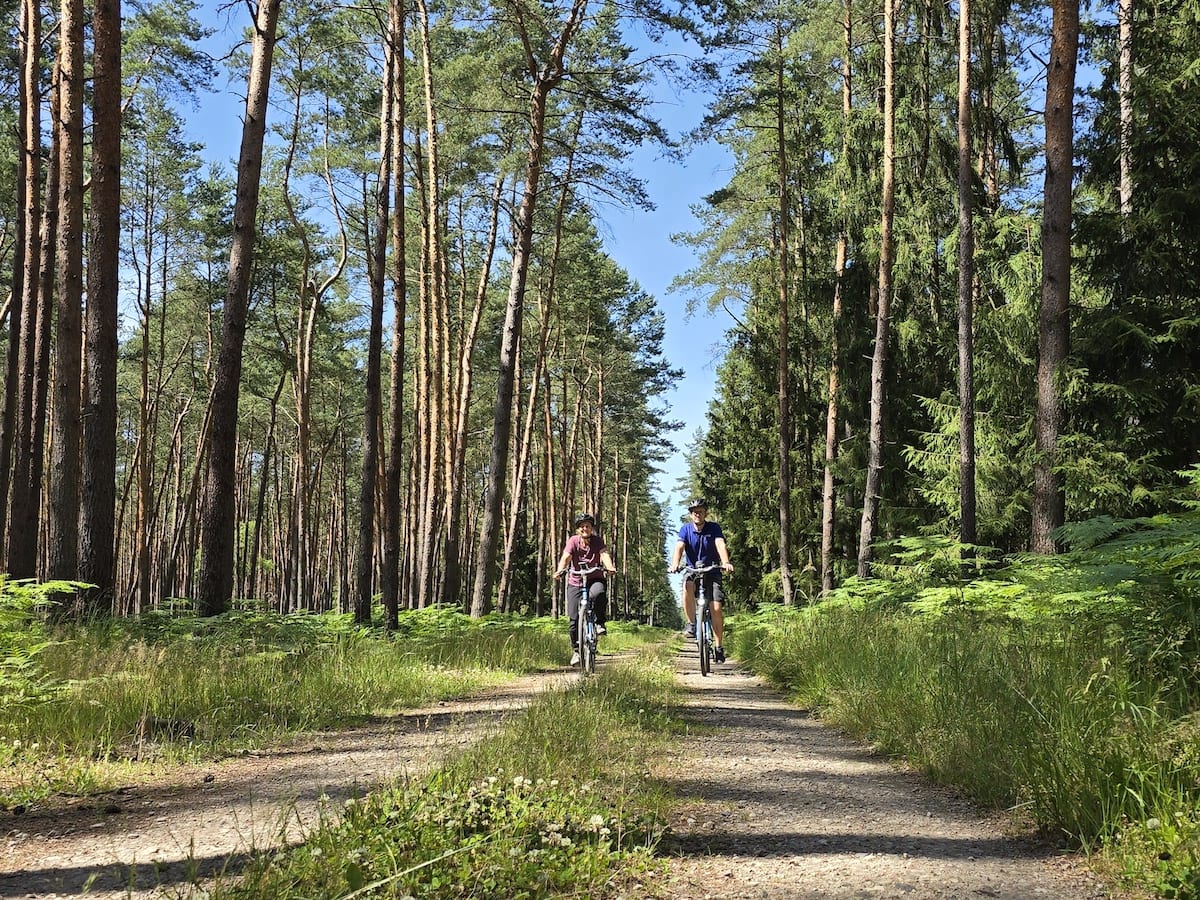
column 585, row 550
column 704, row 544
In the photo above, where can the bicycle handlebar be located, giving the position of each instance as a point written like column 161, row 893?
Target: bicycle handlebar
column 694, row 570
column 588, row 571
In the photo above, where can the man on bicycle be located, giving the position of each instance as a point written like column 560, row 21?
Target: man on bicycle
column 704, row 544
column 585, row 550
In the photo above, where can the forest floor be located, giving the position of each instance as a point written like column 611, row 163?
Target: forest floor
column 773, row 805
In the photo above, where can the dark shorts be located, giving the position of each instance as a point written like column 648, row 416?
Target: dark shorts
column 709, row 585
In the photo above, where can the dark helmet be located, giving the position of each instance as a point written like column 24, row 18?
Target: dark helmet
column 584, row 517
column 697, row 502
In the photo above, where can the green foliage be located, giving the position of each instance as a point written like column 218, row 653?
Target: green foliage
column 1060, row 721
column 564, row 810
column 23, row 637
column 1161, row 855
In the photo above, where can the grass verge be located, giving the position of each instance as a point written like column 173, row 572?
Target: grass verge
column 560, row 803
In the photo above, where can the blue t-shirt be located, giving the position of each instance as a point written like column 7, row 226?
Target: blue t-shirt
column 700, row 547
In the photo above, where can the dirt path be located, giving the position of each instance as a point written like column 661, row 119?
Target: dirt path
column 783, row 808
column 779, row 806
column 198, row 820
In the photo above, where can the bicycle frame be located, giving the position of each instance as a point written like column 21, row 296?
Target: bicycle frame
column 704, row 629
column 587, row 637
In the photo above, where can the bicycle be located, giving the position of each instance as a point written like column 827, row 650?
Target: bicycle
column 589, row 634
column 704, row 629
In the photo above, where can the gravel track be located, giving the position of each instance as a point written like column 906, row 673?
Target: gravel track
column 201, row 820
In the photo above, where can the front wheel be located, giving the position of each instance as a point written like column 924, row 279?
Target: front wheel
column 589, row 653
column 586, row 642
column 703, row 641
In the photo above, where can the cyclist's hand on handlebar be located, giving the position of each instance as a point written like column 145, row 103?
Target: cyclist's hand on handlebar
column 728, row 567
column 611, row 571
column 559, row 574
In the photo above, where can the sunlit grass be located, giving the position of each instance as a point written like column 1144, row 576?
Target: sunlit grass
column 559, row 803
column 117, row 697
column 124, row 693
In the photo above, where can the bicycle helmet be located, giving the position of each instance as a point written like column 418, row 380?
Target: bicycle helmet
column 584, row 517
column 697, row 502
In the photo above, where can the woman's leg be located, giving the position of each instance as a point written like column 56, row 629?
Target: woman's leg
column 598, row 596
column 574, row 593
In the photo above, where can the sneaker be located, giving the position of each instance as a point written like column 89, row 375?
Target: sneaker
column 575, row 658
column 689, row 630
column 719, row 654
column 600, row 629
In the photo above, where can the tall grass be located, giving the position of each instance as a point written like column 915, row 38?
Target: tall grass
column 237, row 681
column 557, row 804
column 81, row 699
column 102, row 694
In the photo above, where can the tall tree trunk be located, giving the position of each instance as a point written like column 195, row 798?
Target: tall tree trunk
column 783, row 386
column 540, row 366
column 466, row 371
column 1125, row 97
column 1049, row 507
column 21, row 546
column 97, row 544
column 871, row 496
column 394, row 466
column 829, row 496
column 217, row 525
column 63, row 546
column 431, row 378
column 373, row 407
column 545, row 78
column 966, row 289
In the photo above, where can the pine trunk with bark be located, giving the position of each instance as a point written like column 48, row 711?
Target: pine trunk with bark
column 97, row 538
column 23, row 502
column 390, row 575
column 214, row 587
column 966, row 290
column 1049, row 506
column 65, row 463
column 829, row 492
column 1125, row 100
column 783, row 377
column 373, row 407
column 545, row 78
column 871, row 492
